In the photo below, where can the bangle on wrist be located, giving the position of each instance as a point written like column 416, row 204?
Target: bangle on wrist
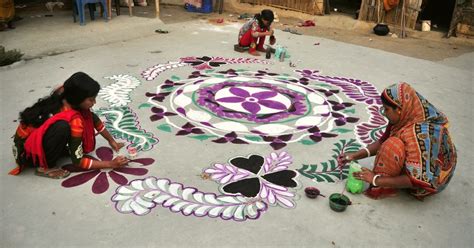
column 367, row 151
column 373, row 180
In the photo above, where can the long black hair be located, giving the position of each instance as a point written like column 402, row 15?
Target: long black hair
column 267, row 15
column 75, row 90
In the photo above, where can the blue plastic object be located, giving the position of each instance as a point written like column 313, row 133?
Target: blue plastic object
column 79, row 5
column 205, row 8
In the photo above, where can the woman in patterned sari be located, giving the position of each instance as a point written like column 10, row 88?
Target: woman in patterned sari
column 416, row 151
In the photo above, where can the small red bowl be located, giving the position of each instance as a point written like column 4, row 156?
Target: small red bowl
column 312, row 192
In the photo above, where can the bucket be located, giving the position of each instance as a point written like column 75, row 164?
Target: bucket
column 205, row 8
column 425, row 25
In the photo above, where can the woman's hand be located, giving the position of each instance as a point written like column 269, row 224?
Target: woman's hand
column 116, row 145
column 364, row 175
column 119, row 161
column 345, row 158
column 272, row 40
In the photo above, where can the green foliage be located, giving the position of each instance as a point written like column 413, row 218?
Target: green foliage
column 164, row 128
column 145, row 105
column 307, row 142
column 9, row 57
column 175, row 78
column 329, row 171
column 253, row 138
column 122, row 124
column 203, row 137
column 349, row 111
column 341, row 130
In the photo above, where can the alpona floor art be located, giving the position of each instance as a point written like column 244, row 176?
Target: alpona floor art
column 232, row 107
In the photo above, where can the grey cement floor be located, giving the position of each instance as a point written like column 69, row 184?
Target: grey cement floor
column 39, row 212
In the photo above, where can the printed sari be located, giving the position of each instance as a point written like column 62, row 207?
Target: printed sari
column 419, row 145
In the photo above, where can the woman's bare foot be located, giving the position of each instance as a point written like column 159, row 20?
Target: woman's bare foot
column 52, row 173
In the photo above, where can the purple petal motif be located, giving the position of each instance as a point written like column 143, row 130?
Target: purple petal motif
column 156, row 117
column 272, row 104
column 264, row 94
column 101, row 184
column 132, row 171
column 182, row 132
column 252, row 107
column 118, row 179
column 238, row 141
column 197, row 131
column 239, row 92
column 231, row 99
column 79, row 179
column 143, row 161
column 105, row 153
column 277, row 146
column 220, row 140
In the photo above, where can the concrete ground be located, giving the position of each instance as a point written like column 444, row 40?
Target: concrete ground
column 40, row 212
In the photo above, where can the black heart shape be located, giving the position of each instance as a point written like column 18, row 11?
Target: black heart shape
column 282, row 178
column 247, row 187
column 253, row 163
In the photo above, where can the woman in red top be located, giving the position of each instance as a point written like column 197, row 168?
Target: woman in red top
column 62, row 122
column 253, row 33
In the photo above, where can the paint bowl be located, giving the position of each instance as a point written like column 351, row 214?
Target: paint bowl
column 132, row 152
column 339, row 202
column 312, row 192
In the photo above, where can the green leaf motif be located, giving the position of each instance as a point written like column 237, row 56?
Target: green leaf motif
column 202, row 137
column 145, row 105
column 123, row 124
column 307, row 142
column 164, row 128
column 329, row 171
column 253, row 138
column 341, row 130
column 175, row 78
column 349, row 111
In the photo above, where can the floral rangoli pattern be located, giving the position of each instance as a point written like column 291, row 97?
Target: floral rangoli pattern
column 232, row 106
column 251, row 107
column 101, row 182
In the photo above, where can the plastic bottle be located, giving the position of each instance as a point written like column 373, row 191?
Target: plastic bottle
column 269, row 53
column 354, row 185
column 282, row 56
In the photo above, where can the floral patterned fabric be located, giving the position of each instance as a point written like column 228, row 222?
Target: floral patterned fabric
column 430, row 155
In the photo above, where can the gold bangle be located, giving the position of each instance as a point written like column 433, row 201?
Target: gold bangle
column 368, row 151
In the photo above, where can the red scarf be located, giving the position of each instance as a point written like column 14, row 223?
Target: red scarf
column 34, row 142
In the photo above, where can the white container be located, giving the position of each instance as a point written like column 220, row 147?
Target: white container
column 426, row 25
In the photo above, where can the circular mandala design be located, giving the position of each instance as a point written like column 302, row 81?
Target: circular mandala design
column 255, row 107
